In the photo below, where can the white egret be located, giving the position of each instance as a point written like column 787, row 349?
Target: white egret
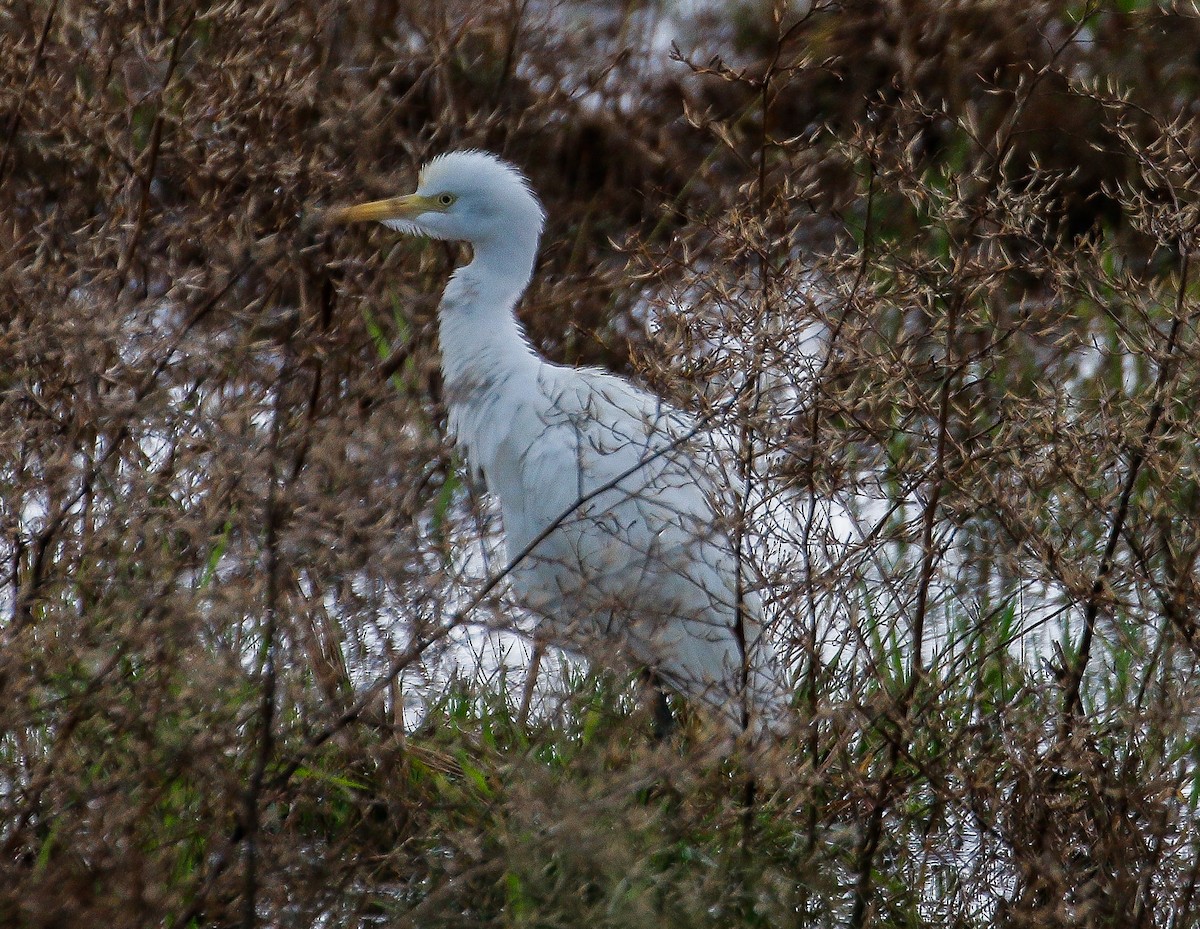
column 615, row 505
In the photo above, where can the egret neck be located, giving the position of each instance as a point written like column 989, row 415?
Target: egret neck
column 482, row 341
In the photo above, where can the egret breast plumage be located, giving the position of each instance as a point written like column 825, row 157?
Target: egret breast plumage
column 615, row 504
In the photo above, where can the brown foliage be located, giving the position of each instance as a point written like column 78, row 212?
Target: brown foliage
column 234, row 551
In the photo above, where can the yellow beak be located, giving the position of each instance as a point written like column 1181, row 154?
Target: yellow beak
column 406, row 207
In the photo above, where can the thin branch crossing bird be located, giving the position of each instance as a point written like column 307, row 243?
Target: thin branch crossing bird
column 616, row 505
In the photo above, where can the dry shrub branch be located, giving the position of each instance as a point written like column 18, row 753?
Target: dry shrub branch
column 930, row 267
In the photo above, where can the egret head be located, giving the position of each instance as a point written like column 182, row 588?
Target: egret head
column 467, row 196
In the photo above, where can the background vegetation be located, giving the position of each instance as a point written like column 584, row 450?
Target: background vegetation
column 933, row 262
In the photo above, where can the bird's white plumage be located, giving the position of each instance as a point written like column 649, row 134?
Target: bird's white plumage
column 624, row 496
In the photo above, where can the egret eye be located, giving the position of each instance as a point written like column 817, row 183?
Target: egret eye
column 445, row 199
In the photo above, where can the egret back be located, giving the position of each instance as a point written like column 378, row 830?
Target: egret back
column 624, row 500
